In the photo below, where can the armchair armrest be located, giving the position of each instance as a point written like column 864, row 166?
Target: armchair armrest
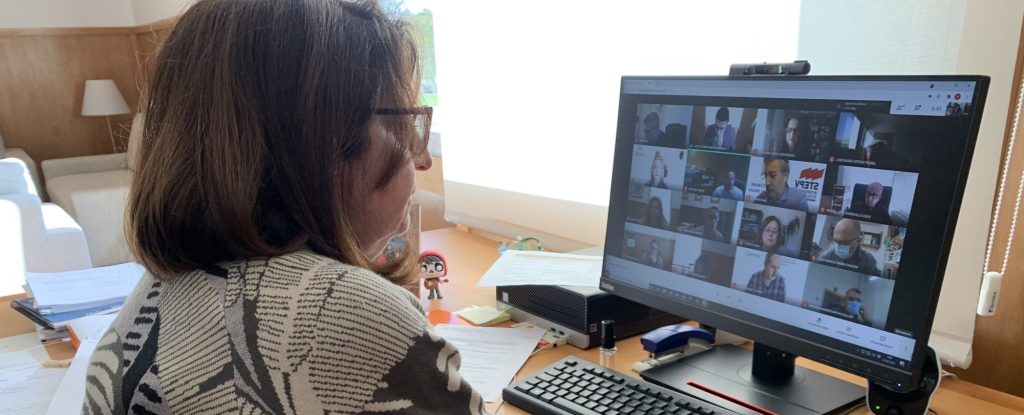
column 85, row 164
column 12, row 249
column 30, row 165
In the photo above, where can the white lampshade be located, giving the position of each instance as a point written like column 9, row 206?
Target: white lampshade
column 103, row 98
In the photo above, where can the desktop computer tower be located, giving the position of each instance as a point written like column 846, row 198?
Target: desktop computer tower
column 578, row 311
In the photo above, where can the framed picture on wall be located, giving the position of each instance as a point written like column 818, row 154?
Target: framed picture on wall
column 410, row 241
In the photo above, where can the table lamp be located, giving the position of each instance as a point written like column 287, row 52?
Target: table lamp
column 102, row 98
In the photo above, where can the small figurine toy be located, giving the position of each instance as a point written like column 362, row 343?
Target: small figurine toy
column 432, row 267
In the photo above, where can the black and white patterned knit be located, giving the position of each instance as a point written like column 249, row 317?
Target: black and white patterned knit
column 295, row 334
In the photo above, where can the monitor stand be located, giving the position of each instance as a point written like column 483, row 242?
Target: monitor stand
column 766, row 381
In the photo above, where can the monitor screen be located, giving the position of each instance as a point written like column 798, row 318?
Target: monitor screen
column 813, row 214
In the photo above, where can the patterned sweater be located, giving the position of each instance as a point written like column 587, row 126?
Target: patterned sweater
column 295, row 334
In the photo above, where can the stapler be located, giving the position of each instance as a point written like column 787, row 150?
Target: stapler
column 671, row 343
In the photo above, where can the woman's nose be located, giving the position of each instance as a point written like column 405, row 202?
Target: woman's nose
column 423, row 161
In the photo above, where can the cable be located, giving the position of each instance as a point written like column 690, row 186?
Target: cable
column 1002, row 187
column 548, row 347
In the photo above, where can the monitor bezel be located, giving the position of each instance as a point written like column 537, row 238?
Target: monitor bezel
column 884, row 374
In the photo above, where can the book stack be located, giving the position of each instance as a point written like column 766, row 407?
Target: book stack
column 58, row 298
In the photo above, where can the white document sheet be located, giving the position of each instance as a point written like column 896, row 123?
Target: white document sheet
column 70, row 394
column 30, row 390
column 25, row 386
column 20, row 342
column 58, row 290
column 543, row 268
column 491, row 356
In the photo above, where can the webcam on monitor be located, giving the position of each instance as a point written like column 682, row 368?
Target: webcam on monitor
column 793, row 68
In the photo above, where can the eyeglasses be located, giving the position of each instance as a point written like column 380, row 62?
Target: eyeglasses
column 847, row 242
column 790, row 130
column 422, row 115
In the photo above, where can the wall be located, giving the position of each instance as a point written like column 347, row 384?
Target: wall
column 149, row 11
column 65, row 13
column 48, row 48
column 44, row 73
column 998, row 356
column 942, row 36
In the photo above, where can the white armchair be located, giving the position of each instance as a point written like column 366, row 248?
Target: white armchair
column 94, row 191
column 36, row 236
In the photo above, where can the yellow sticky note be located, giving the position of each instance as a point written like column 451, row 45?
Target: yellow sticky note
column 483, row 316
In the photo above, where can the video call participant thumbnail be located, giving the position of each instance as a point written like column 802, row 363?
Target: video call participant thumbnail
column 658, row 167
column 716, row 174
column 854, row 297
column 770, row 276
column 704, row 259
column 720, row 133
column 880, row 196
column 730, row 189
column 724, row 129
column 871, row 205
column 877, row 139
column 793, row 134
column 663, row 125
column 707, row 218
column 774, row 230
column 647, row 249
column 653, row 209
column 787, row 184
column 841, row 242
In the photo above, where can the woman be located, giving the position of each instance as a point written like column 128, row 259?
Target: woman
column 658, row 172
column 798, row 139
column 654, row 216
column 277, row 158
column 771, row 234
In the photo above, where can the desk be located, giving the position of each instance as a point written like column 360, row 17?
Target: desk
column 469, row 256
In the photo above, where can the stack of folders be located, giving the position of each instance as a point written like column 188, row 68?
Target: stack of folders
column 59, row 297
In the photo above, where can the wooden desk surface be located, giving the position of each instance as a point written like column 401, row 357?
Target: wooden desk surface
column 469, row 256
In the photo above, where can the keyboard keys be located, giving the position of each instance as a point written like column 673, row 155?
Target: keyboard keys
column 575, row 387
column 572, row 407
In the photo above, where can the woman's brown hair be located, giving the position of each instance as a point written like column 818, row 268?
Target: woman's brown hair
column 254, row 111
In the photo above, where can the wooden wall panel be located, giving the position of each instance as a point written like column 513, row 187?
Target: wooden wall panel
column 147, row 47
column 998, row 352
column 42, row 80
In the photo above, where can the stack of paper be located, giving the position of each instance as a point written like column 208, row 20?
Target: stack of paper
column 27, row 307
column 60, row 292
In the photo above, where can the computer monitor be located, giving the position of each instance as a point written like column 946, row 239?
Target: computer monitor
column 813, row 215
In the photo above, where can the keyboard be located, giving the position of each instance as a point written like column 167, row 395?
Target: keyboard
column 577, row 387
